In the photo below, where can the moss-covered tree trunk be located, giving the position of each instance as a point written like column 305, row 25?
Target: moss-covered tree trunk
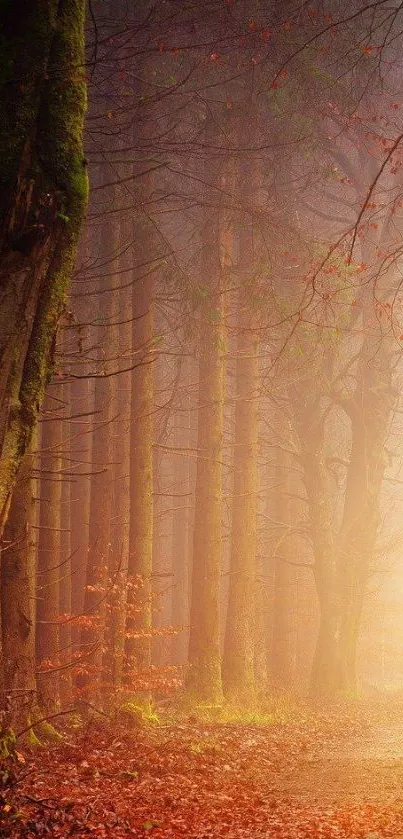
column 18, row 598
column 204, row 675
column 43, row 191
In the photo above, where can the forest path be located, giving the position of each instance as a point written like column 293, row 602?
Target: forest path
column 322, row 774
column 363, row 768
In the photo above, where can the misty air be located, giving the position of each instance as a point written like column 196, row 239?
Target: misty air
column 201, row 400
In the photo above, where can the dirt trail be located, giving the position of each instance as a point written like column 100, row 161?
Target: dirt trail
column 384, row 743
column 333, row 775
column 357, row 769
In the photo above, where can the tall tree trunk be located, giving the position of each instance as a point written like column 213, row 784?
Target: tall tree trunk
column 90, row 680
column 326, row 659
column 82, row 339
column 310, row 429
column 204, row 675
column 163, row 464
column 49, row 570
column 180, row 531
column 138, row 624
column 43, row 195
column 18, row 563
column 239, row 643
column 281, row 660
column 92, row 632
column 81, row 402
column 66, row 673
column 120, row 530
column 371, row 411
column 238, row 658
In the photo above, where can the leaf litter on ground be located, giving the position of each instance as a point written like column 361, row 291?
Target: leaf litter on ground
column 315, row 777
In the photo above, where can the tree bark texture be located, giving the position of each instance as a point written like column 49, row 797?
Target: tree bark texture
column 239, row 644
column 120, row 522
column 43, row 189
column 138, row 624
column 204, row 675
column 49, row 544
column 90, row 681
column 18, row 563
column 65, row 599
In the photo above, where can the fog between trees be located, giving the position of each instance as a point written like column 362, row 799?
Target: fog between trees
column 209, row 505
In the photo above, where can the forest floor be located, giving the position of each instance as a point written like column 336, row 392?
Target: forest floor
column 330, row 774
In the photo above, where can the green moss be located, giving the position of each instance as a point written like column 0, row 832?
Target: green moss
column 63, row 110
column 60, row 152
column 7, row 743
column 48, row 732
column 266, row 711
column 75, row 721
column 42, row 102
column 139, row 713
column 63, row 217
column 32, row 740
